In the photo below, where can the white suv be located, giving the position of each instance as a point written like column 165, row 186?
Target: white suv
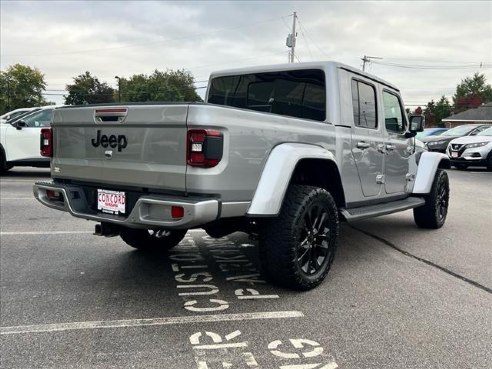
column 471, row 150
column 19, row 140
column 14, row 114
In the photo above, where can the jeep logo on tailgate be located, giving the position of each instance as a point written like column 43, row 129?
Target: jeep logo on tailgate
column 113, row 141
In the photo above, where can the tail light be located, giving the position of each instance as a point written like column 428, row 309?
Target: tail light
column 46, row 142
column 205, row 147
column 177, row 212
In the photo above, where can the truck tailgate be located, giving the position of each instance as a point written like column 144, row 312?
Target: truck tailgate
column 129, row 145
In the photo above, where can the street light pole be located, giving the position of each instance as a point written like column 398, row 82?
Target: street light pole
column 119, row 88
column 8, row 94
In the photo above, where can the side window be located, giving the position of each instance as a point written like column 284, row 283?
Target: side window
column 314, row 102
column 393, row 113
column 477, row 130
column 294, row 93
column 41, row 119
column 364, row 105
column 230, row 91
column 260, row 96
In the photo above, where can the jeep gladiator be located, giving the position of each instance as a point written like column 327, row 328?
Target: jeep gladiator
column 281, row 152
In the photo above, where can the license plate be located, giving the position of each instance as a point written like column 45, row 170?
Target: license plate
column 111, row 202
column 454, row 154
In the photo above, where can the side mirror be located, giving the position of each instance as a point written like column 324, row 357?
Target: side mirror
column 20, row 124
column 417, row 123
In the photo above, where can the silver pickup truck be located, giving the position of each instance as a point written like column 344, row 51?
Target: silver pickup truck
column 281, row 152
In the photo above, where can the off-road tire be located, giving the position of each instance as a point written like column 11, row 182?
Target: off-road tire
column 152, row 240
column 433, row 214
column 295, row 252
column 4, row 167
column 489, row 162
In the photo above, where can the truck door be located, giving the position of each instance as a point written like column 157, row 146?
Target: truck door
column 367, row 143
column 397, row 147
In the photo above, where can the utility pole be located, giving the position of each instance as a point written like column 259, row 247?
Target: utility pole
column 8, row 93
column 119, row 88
column 291, row 39
column 367, row 59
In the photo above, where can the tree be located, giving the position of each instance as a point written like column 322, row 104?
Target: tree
column 87, row 89
column 436, row 112
column 21, row 86
column 159, row 86
column 472, row 92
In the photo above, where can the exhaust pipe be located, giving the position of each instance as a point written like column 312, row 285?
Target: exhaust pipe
column 106, row 230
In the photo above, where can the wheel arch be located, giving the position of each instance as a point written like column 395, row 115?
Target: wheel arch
column 320, row 173
column 294, row 163
column 428, row 164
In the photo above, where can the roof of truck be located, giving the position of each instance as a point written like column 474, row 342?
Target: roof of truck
column 292, row 66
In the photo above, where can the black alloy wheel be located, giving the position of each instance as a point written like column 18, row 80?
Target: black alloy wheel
column 314, row 251
column 442, row 200
column 297, row 247
column 433, row 214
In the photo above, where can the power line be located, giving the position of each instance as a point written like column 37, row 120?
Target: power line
column 302, row 27
column 433, row 60
column 305, row 38
column 283, row 20
column 145, row 43
column 434, row 67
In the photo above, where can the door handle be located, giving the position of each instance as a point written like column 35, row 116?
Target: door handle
column 390, row 147
column 381, row 148
column 363, row 145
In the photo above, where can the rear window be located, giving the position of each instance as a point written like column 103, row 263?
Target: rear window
column 298, row 93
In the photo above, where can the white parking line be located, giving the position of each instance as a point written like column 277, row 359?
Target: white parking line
column 147, row 322
column 44, row 232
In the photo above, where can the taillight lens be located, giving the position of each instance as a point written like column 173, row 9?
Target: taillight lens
column 46, row 142
column 205, row 148
column 177, row 212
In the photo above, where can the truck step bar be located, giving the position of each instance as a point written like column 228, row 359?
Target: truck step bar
column 365, row 212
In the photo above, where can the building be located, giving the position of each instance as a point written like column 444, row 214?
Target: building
column 480, row 115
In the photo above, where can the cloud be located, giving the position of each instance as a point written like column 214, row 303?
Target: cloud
column 108, row 38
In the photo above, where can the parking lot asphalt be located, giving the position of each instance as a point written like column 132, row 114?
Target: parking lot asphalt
column 396, row 297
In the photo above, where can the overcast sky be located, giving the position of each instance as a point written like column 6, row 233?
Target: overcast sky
column 427, row 47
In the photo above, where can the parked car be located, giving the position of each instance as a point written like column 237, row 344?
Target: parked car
column 19, row 139
column 14, row 114
column 440, row 143
column 472, row 150
column 427, row 132
column 20, row 116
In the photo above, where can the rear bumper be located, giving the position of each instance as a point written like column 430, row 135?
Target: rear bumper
column 149, row 210
column 35, row 162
